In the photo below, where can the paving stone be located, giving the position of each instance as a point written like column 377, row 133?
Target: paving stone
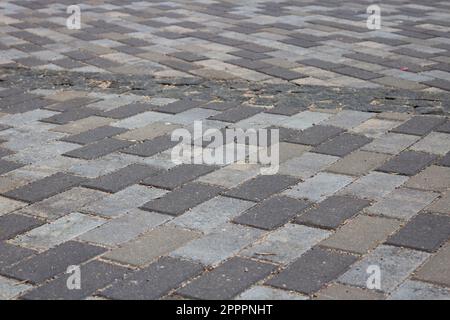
column 63, row 229
column 286, row 244
column 391, row 143
column 289, row 151
column 10, row 254
column 82, row 125
column 53, row 262
column 261, row 187
column 396, row 264
column 361, row 234
column 149, row 148
column 125, row 228
column 433, row 178
column 306, row 119
column 209, row 215
column 94, row 135
column 402, row 203
column 408, row 163
column 423, row 232
column 357, row 73
column 151, row 245
column 436, row 270
column 182, row 199
column 312, row 271
column 348, row 119
column 441, row 205
column 445, row 127
column 445, row 161
column 342, row 145
column 341, row 292
column 44, row 188
column 219, row 245
column 14, row 224
column 419, row 125
column 154, row 281
column 7, row 166
column 272, row 213
column 374, row 185
column 123, row 201
column 416, row 290
column 5, row 152
column 236, row 114
column 358, row 163
column 98, row 149
column 8, row 205
column 314, row 135
column 94, row 275
column 71, row 115
column 435, row 142
column 332, row 212
column 122, row 178
column 231, row 175
column 374, row 128
column 178, row 175
column 267, row 293
column 319, row 187
column 128, row 110
column 282, row 73
column 148, row 132
column 63, row 203
column 140, row 120
column 178, row 106
column 227, row 280
column 307, row 164
column 10, row 288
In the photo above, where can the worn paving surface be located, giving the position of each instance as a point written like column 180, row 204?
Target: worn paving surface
column 86, row 176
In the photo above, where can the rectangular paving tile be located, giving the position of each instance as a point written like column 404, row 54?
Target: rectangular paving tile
column 178, row 175
column 218, row 245
column 72, row 115
column 122, row 178
column 436, row 269
column 53, row 262
column 313, row 136
column 11, row 254
column 10, row 288
column 266, row 293
column 154, row 281
column 342, row 144
column 337, row 291
column 445, row 161
column 9, row 205
column 434, row 178
column 357, row 73
column 98, row 149
column 95, row 275
column 227, row 280
column 435, row 143
column 361, row 234
column 272, row 213
column 58, row 231
column 7, row 166
column 14, row 224
column 312, row 271
column 180, row 200
column 236, row 114
column 332, row 212
column 425, row 232
column 306, row 165
column 94, row 135
column 319, row 187
column 261, row 187
column 396, row 264
column 178, row 106
column 128, row 110
column 391, row 143
column 151, row 245
column 44, row 188
column 306, row 119
column 149, row 148
column 358, row 163
column 408, row 163
column 419, row 125
column 417, row 290
column 286, row 244
column 441, row 205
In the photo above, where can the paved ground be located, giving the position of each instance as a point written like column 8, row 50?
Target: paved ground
column 86, row 176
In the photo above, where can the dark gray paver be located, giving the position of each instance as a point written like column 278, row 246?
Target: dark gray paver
column 227, row 280
column 408, row 163
column 182, row 199
column 72, row 115
column 154, row 281
column 261, row 187
column 282, row 73
column 219, row 106
column 419, row 126
column 423, row 232
column 122, row 178
column 358, row 73
column 98, row 149
column 236, row 114
column 7, row 166
column 332, row 212
column 445, row 161
column 70, row 104
column 178, row 106
column 272, row 213
column 445, row 127
column 128, row 110
column 53, row 262
column 342, row 145
column 95, row 275
column 314, row 135
column 178, row 175
column 11, row 254
column 14, row 224
column 94, row 135
column 5, row 152
column 312, row 271
column 149, row 148
column 45, row 188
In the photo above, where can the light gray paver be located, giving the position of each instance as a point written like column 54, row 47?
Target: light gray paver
column 416, row 290
column 268, row 293
column 10, row 288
